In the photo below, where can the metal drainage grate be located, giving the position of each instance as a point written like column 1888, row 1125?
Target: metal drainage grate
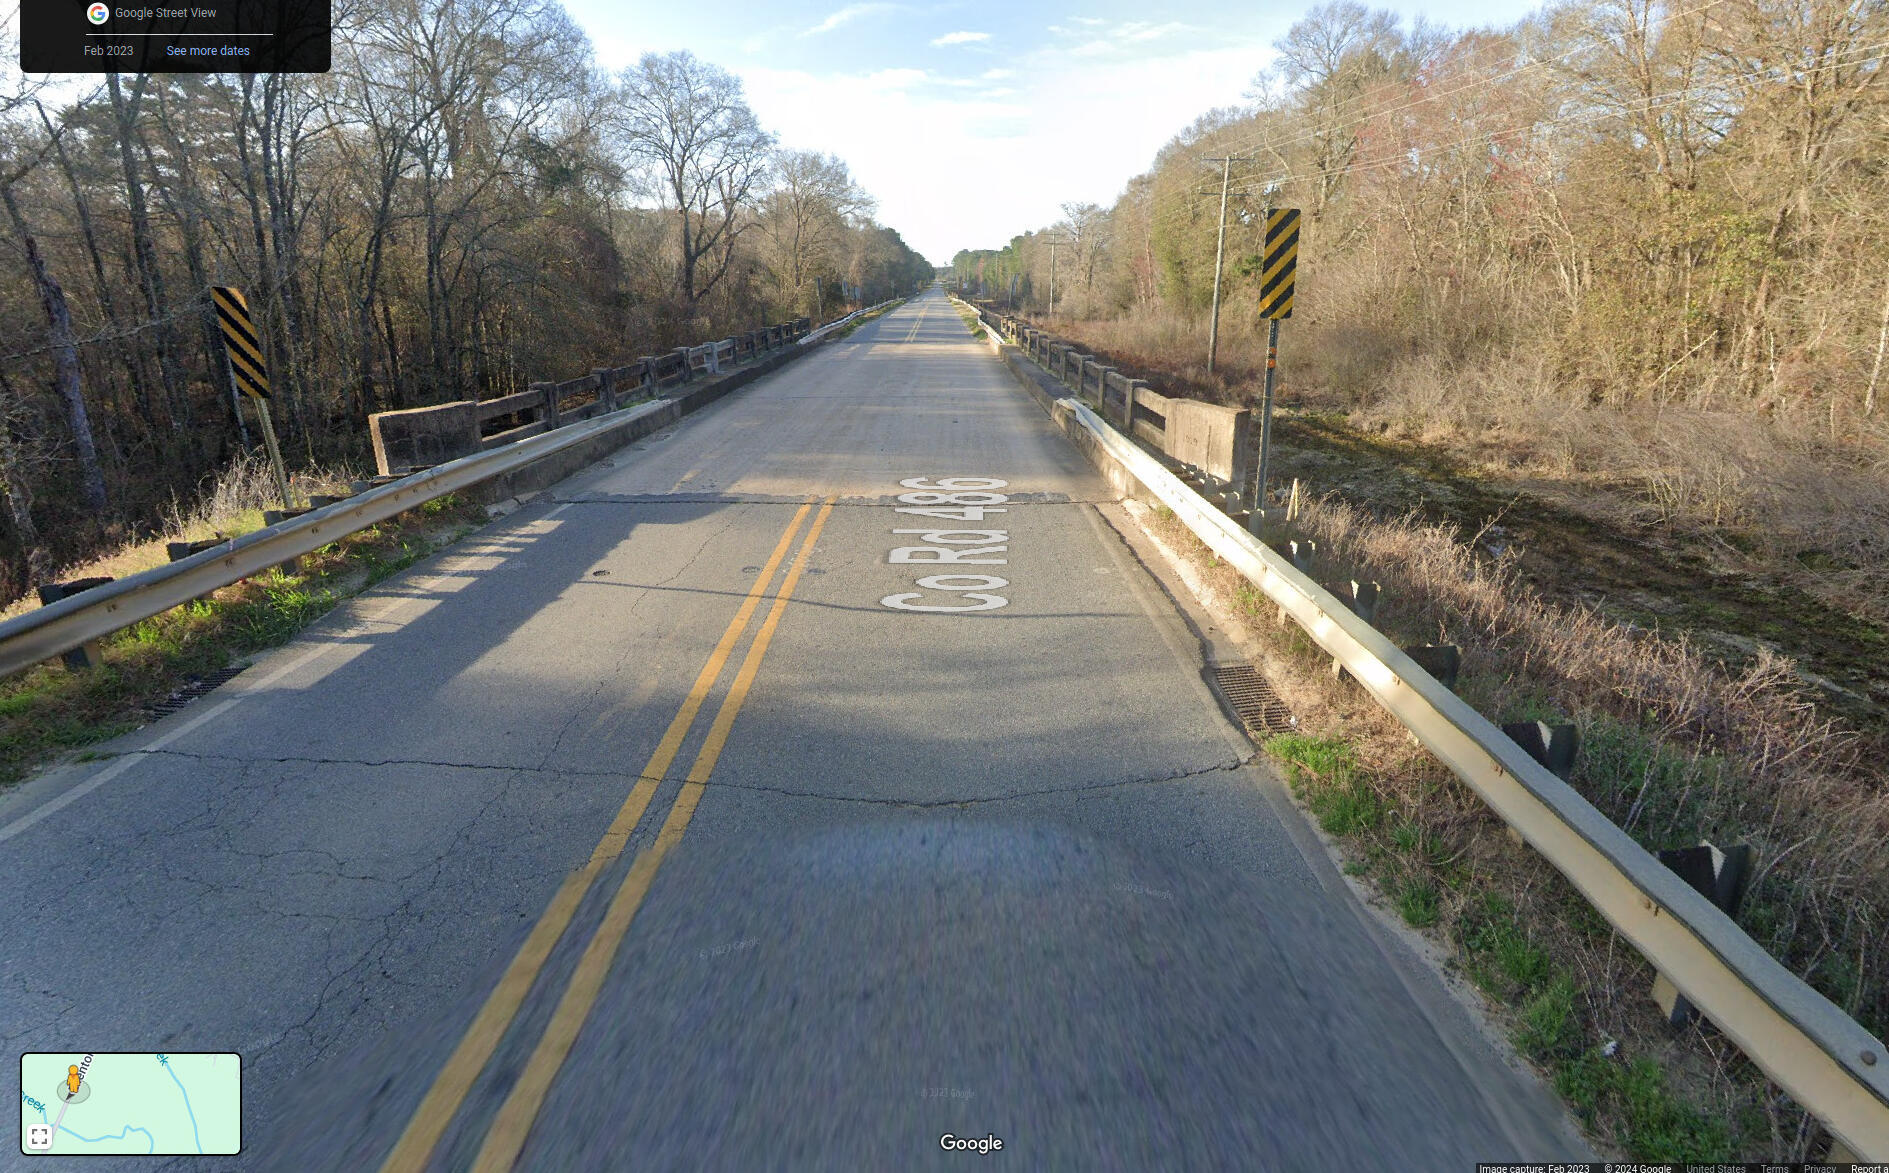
column 1254, row 700
column 198, row 686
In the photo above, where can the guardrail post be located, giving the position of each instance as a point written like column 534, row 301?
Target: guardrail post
column 1360, row 597
column 1363, row 600
column 1554, row 746
column 1301, row 553
column 550, row 393
column 1101, row 387
column 688, row 367
column 1717, row 875
column 86, row 655
column 1442, row 661
column 278, row 516
column 606, row 388
column 178, row 551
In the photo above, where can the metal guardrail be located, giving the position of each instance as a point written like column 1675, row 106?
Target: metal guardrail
column 1209, row 438
column 70, row 623
column 39, row 635
column 823, row 331
column 1818, row 1054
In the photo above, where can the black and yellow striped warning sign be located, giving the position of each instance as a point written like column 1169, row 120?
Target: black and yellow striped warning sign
column 239, row 340
column 1281, row 256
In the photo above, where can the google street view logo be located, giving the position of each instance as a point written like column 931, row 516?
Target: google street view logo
column 98, row 14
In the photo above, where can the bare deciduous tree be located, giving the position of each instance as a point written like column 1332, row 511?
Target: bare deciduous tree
column 688, row 122
column 806, row 211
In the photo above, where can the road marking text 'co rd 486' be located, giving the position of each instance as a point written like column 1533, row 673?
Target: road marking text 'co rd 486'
column 959, row 499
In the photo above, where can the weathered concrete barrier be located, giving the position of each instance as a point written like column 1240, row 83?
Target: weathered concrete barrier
column 1212, row 438
column 421, row 436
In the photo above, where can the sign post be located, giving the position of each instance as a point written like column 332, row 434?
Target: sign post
column 1280, row 260
column 249, row 371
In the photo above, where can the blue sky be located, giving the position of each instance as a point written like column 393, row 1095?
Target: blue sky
column 973, row 122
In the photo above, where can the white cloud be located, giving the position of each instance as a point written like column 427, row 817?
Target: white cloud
column 843, row 15
column 1061, row 128
column 1141, row 30
column 1101, row 39
column 960, row 38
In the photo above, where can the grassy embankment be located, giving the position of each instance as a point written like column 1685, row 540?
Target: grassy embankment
column 1675, row 749
column 47, row 711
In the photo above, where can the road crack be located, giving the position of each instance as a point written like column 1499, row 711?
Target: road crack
column 1227, row 767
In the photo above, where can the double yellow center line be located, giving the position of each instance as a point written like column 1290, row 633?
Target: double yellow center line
column 512, row 1125
column 923, row 309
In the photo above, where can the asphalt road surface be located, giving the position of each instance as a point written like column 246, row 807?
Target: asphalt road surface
column 676, row 822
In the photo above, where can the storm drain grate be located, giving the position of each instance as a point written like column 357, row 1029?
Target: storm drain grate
column 198, row 686
column 1254, row 700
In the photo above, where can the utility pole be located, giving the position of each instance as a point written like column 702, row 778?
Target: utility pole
column 1219, row 261
column 1052, row 277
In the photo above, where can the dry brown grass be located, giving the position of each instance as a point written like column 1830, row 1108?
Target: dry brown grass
column 231, row 504
column 1739, row 758
column 1793, row 481
column 1789, row 482
column 1676, row 749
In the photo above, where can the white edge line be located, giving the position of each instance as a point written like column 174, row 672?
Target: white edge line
column 54, row 806
column 73, row 795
